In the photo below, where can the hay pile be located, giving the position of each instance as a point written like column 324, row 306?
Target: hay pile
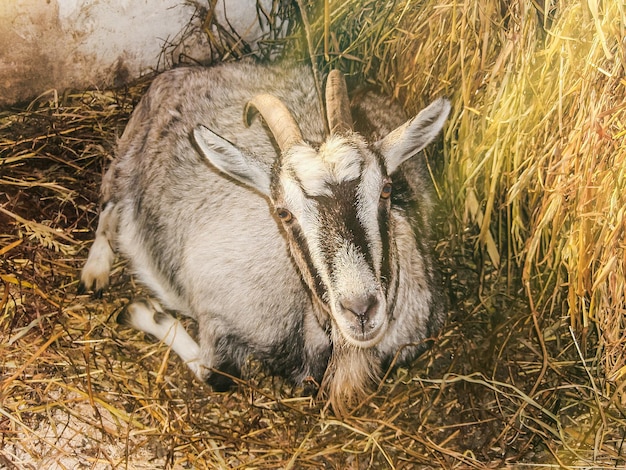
column 532, row 187
column 534, row 153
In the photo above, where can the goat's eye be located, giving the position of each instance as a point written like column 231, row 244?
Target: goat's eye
column 284, row 214
column 385, row 193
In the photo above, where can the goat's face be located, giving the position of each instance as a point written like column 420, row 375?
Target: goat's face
column 334, row 204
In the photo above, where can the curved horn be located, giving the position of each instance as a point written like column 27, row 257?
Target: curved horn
column 337, row 103
column 277, row 117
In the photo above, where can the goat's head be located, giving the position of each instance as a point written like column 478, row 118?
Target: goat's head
column 334, row 201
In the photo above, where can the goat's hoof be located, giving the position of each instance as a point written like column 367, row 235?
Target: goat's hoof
column 219, row 383
column 123, row 318
column 310, row 386
column 81, row 289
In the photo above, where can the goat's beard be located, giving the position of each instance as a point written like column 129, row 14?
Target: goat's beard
column 350, row 375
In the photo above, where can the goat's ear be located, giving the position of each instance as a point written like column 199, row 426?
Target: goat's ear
column 229, row 159
column 415, row 134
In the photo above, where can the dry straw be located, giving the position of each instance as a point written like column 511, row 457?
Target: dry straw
column 534, row 152
column 531, row 176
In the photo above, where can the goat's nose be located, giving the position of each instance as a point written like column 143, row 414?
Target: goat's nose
column 361, row 307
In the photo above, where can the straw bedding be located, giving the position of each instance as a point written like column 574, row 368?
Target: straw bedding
column 529, row 369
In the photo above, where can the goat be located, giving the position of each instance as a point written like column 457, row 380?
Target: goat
column 305, row 249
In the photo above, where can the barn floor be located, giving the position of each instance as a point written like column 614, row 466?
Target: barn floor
column 502, row 387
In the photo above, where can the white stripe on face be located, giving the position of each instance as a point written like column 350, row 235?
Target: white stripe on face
column 336, row 161
column 368, row 198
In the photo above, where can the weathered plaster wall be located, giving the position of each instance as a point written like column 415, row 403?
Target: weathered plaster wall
column 80, row 44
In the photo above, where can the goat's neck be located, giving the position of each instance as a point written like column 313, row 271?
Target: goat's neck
column 413, row 272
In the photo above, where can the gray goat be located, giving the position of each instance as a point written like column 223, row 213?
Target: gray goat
column 305, row 249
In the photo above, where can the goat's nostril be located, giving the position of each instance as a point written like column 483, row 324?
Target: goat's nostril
column 362, row 307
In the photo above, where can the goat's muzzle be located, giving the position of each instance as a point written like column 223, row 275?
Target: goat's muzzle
column 362, row 319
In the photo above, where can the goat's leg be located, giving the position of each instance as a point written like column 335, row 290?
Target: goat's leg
column 147, row 316
column 95, row 273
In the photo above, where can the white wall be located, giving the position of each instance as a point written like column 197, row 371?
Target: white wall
column 81, row 44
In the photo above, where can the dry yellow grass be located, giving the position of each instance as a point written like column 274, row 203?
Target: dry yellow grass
column 534, row 152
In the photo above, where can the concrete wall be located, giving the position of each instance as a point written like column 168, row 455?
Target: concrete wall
column 82, row 44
